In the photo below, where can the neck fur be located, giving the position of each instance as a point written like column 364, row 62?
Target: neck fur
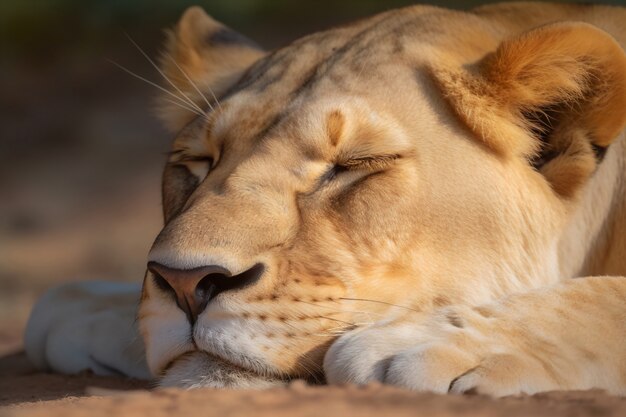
column 593, row 242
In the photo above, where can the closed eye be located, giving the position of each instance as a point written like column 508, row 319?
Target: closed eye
column 184, row 155
column 366, row 164
column 331, row 173
column 204, row 159
column 197, row 165
column 369, row 163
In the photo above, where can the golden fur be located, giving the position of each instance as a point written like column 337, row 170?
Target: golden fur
column 420, row 187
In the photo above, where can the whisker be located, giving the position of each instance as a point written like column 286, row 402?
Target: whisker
column 162, row 73
column 337, row 320
column 336, row 330
column 213, row 94
column 190, row 81
column 184, row 106
column 356, row 324
column 358, row 75
column 312, row 368
column 380, row 302
column 325, row 334
column 164, row 90
column 342, row 311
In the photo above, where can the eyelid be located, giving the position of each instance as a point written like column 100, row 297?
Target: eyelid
column 331, row 173
column 370, row 162
column 196, row 159
column 179, row 157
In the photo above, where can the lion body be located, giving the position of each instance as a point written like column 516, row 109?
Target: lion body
column 419, row 187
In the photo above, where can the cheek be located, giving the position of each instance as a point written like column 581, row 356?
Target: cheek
column 379, row 215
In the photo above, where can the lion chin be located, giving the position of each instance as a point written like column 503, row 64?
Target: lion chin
column 202, row 370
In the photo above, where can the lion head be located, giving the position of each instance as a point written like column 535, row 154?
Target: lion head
column 395, row 163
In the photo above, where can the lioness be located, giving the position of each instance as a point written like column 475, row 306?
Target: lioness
column 403, row 199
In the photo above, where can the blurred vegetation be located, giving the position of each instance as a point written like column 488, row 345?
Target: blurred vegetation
column 32, row 28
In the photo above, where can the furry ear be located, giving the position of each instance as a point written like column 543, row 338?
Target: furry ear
column 202, row 57
column 555, row 95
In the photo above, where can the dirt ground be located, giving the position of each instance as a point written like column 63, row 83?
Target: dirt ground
column 25, row 392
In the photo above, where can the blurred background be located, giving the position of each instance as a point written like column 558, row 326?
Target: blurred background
column 80, row 149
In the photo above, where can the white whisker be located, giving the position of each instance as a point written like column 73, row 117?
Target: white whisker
column 340, row 311
column 190, row 81
column 380, row 302
column 213, row 94
column 185, row 107
column 163, row 74
column 153, row 84
column 337, row 320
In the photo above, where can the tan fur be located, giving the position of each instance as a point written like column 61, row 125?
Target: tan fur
column 335, row 127
column 573, row 69
column 421, row 188
column 425, row 214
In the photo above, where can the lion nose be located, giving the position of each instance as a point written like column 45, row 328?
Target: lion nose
column 194, row 288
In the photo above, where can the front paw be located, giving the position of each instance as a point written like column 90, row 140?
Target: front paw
column 448, row 368
column 365, row 354
column 87, row 326
column 449, row 352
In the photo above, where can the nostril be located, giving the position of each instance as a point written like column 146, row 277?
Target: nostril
column 194, row 288
column 225, row 283
column 206, row 289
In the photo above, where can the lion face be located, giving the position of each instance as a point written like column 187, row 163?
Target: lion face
column 334, row 182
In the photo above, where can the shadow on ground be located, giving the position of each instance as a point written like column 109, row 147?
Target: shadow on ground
column 22, row 384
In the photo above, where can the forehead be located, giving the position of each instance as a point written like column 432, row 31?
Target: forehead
column 376, row 64
column 338, row 61
column 312, row 77
column 306, row 62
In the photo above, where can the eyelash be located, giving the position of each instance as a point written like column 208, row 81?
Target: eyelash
column 178, row 157
column 377, row 162
column 371, row 164
column 206, row 159
column 332, row 173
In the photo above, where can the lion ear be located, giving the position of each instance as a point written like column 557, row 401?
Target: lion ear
column 555, row 95
column 202, row 57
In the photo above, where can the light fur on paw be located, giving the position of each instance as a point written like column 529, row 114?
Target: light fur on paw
column 87, row 326
column 444, row 353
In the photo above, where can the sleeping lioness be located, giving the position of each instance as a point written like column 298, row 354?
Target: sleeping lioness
column 406, row 199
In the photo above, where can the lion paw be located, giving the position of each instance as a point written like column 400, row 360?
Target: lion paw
column 439, row 354
column 87, row 326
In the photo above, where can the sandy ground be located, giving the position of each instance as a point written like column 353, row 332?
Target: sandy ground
column 26, row 392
